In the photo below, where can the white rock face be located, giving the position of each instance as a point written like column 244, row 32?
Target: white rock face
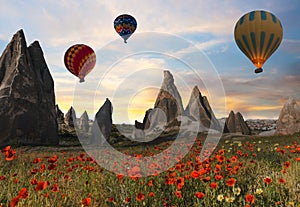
column 289, row 118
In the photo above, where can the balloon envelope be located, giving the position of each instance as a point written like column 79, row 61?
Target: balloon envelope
column 125, row 25
column 258, row 34
column 80, row 59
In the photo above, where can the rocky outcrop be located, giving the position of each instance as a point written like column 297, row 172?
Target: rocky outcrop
column 83, row 122
column 169, row 99
column 167, row 108
column 235, row 124
column 59, row 115
column 199, row 109
column 70, row 117
column 289, row 118
column 27, row 99
column 102, row 125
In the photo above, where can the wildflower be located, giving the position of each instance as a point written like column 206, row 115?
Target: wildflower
column 250, row 198
column 23, row 193
column 37, row 160
column 86, row 202
column 53, row 159
column 178, row 194
column 230, row 182
column 237, row 191
column 151, row 194
column 200, row 195
column 259, row 191
column 220, row 197
column 229, row 199
column 14, row 202
column 213, row 185
column 140, row 197
column 195, row 174
column 55, row 188
column 287, row 164
column 127, row 200
column 268, row 180
column 41, row 185
column 281, row 180
column 292, row 203
column 10, row 155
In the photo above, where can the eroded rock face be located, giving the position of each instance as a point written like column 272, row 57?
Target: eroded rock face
column 83, row 122
column 102, row 125
column 70, row 117
column 27, row 99
column 235, row 124
column 59, row 114
column 289, row 118
column 199, row 109
column 167, row 108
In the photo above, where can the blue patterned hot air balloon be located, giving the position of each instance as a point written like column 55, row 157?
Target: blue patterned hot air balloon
column 125, row 25
column 258, row 34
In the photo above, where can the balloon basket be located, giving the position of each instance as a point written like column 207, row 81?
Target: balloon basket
column 258, row 70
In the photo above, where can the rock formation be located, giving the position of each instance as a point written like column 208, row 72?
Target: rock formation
column 59, row 115
column 199, row 109
column 167, row 108
column 83, row 122
column 70, row 117
column 27, row 99
column 102, row 125
column 235, row 124
column 289, row 118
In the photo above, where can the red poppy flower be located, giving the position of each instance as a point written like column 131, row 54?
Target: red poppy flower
column 120, row 177
column 218, row 177
column 287, row 164
column 268, row 180
column 151, row 194
column 297, row 159
column 200, row 195
column 230, row 182
column 140, row 197
column 250, row 198
column 53, row 159
column 86, row 202
column 41, row 185
column 10, row 155
column 33, row 181
column 2, row 177
column 213, row 185
column 55, row 188
column 281, row 180
column 37, row 160
column 127, row 200
column 180, row 183
column 178, row 194
column 150, row 183
column 195, row 174
column 23, row 193
column 14, row 202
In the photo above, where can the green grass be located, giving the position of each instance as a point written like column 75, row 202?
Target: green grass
column 79, row 177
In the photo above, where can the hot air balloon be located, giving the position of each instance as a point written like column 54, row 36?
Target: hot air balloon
column 80, row 59
column 258, row 34
column 125, row 25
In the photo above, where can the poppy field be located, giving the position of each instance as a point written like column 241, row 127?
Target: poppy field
column 246, row 172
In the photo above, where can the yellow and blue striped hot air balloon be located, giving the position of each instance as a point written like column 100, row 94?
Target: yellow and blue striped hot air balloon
column 258, row 34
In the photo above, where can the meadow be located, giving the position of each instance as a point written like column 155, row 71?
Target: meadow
column 242, row 172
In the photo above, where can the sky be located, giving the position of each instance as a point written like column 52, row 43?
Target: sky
column 193, row 39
